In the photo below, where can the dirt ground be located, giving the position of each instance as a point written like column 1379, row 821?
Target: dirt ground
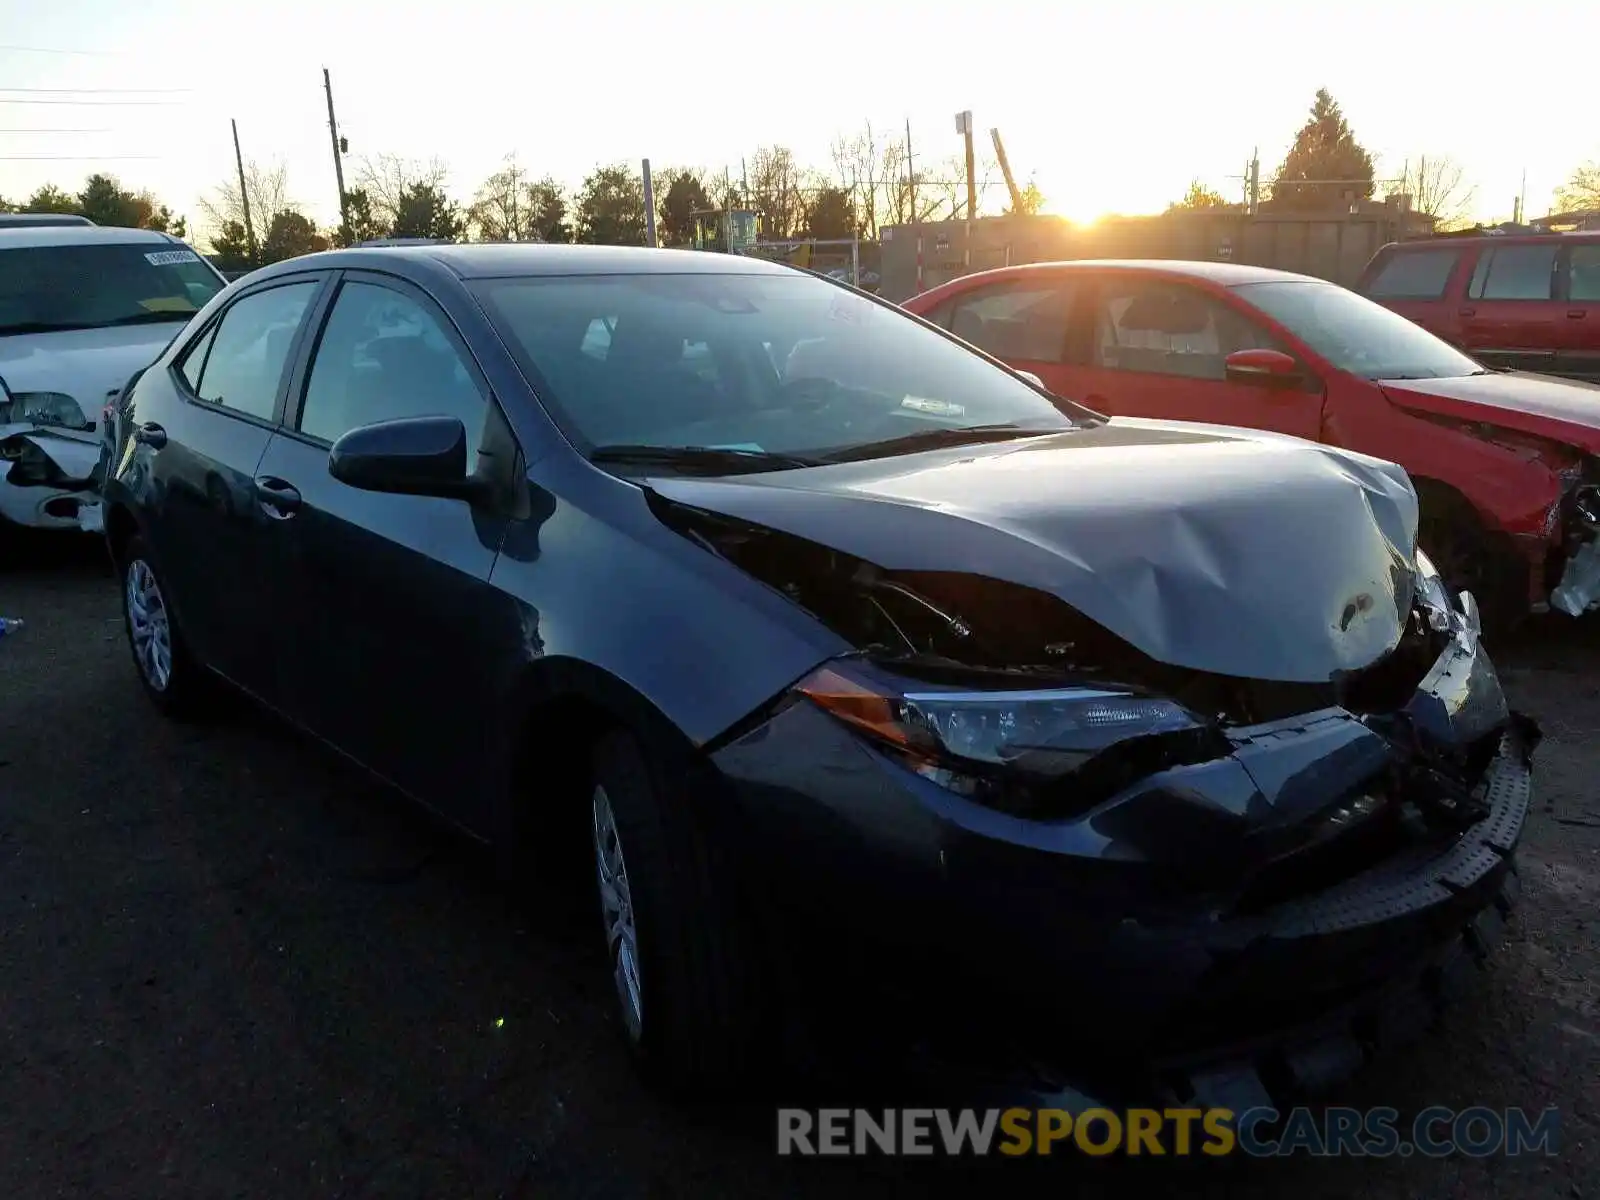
column 229, row 968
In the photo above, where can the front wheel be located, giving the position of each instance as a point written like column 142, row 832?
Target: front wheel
column 683, row 960
column 1450, row 533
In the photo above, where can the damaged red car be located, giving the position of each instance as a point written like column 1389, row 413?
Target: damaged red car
column 1505, row 463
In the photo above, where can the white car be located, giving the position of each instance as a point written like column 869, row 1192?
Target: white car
column 82, row 307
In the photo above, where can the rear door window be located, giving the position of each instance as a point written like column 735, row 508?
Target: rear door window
column 1026, row 321
column 1583, row 273
column 1413, row 274
column 1514, row 273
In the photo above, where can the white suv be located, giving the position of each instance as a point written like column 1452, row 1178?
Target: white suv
column 82, row 307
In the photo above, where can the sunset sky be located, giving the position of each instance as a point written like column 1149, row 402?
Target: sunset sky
column 1112, row 108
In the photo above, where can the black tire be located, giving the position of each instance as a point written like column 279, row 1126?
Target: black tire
column 702, row 1023
column 1451, row 534
column 186, row 687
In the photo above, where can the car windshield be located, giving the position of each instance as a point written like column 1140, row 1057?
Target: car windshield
column 752, row 364
column 48, row 288
column 1356, row 335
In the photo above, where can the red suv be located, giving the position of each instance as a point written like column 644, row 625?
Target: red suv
column 1506, row 465
column 1531, row 302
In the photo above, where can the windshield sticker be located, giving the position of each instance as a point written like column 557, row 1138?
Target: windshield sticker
column 163, row 258
column 942, row 408
column 167, row 304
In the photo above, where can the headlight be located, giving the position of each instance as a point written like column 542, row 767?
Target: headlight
column 986, row 744
column 43, row 408
column 1432, row 593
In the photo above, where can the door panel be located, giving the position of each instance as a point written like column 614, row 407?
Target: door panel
column 395, row 628
column 1510, row 317
column 215, row 411
column 1158, row 350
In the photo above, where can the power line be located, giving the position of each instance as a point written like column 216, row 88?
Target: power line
column 97, row 91
column 106, row 130
column 95, row 103
column 47, row 50
column 77, row 157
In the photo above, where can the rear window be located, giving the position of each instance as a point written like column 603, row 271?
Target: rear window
column 1514, row 273
column 1413, row 274
column 49, row 288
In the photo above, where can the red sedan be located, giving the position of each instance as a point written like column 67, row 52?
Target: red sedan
column 1507, row 465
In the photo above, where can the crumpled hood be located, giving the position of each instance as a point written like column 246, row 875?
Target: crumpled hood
column 1210, row 548
column 90, row 365
column 1564, row 410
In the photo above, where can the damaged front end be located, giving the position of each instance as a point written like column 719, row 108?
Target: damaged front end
column 46, row 474
column 1576, row 522
column 1133, row 861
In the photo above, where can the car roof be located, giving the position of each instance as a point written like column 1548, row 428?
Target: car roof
column 1224, row 274
column 489, row 260
column 1451, row 241
column 81, row 235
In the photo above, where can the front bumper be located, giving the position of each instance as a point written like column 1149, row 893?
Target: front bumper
column 1185, row 939
column 46, row 477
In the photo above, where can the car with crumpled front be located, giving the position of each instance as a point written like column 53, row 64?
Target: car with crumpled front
column 842, row 661
column 82, row 307
column 1506, row 464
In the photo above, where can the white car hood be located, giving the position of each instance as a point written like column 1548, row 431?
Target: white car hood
column 90, row 365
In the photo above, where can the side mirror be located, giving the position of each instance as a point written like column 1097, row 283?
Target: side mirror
column 1264, row 368
column 411, row 456
column 1033, row 379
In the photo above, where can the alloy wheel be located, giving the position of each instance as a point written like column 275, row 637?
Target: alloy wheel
column 149, row 625
column 616, row 909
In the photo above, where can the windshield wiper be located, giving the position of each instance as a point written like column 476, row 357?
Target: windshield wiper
column 937, row 439
column 149, row 318
column 714, row 460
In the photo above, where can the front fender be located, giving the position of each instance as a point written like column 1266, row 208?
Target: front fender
column 602, row 582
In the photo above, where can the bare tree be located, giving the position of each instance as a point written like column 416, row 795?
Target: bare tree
column 387, row 178
column 1581, row 193
column 776, row 190
column 500, row 210
column 1438, row 188
column 858, row 160
column 268, row 192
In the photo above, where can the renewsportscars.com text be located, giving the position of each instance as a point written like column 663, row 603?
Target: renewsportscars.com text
column 1435, row 1132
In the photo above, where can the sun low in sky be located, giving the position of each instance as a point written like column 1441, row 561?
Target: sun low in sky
column 1109, row 109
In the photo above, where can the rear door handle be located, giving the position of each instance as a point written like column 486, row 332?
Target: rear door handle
column 1575, row 313
column 151, row 434
column 278, row 498
column 1468, row 312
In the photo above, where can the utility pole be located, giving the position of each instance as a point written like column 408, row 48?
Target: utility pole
column 338, row 157
column 1522, row 197
column 244, row 193
column 911, row 175
column 964, row 127
column 1255, row 180
column 649, row 206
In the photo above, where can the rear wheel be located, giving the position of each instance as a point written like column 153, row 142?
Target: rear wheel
column 684, row 963
column 175, row 683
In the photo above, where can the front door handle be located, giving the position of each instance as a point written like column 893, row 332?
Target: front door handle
column 150, row 434
column 1575, row 313
column 278, row 498
column 1468, row 312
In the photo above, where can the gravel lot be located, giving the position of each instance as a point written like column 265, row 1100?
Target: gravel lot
column 228, row 967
